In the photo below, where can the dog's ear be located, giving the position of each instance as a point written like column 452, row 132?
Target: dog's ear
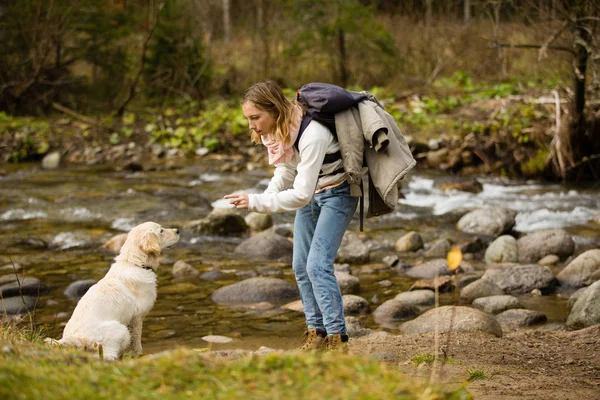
column 150, row 243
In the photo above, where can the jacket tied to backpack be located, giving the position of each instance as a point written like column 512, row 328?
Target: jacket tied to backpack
column 368, row 129
column 369, row 140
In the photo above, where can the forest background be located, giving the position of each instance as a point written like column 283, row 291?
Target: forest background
column 504, row 86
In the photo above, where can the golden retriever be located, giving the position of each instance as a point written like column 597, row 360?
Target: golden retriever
column 111, row 312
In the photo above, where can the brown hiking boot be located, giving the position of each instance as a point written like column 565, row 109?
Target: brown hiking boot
column 337, row 343
column 314, row 340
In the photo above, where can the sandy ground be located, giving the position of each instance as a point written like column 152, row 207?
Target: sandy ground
column 531, row 364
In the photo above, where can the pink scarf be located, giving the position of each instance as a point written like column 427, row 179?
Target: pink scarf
column 283, row 152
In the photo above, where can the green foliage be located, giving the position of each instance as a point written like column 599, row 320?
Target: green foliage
column 319, row 26
column 476, row 374
column 423, row 359
column 536, row 164
column 175, row 62
column 204, row 129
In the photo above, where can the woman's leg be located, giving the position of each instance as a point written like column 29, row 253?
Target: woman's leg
column 336, row 211
column 304, row 228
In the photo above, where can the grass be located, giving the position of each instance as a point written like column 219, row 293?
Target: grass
column 423, row 359
column 476, row 374
column 31, row 371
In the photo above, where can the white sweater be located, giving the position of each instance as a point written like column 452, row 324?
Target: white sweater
column 294, row 183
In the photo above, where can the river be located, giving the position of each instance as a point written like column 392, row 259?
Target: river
column 54, row 222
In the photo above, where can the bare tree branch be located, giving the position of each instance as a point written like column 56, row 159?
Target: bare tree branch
column 533, row 46
column 544, row 49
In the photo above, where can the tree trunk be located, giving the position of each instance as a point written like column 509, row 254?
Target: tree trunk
column 226, row 22
column 342, row 49
column 428, row 12
column 467, row 12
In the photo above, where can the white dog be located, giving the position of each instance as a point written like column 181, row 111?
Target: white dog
column 111, row 312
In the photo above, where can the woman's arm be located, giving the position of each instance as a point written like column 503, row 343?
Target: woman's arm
column 313, row 146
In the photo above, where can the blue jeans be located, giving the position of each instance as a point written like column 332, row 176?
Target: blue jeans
column 318, row 231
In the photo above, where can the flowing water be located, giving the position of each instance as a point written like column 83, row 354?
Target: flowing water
column 54, row 223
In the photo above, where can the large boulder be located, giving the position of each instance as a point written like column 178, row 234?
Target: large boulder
column 429, row 269
column 537, row 245
column 77, row 289
column 24, row 286
column 391, row 312
column 352, row 250
column 518, row 318
column 480, row 288
column 220, row 221
column 272, row 244
column 502, row 250
column 497, row 304
column 519, row 279
column 582, row 271
column 417, row 297
column 355, row 305
column 493, row 221
column 586, row 310
column 255, row 290
column 17, row 305
column 455, row 318
column 348, row 284
column 412, row 241
column 258, row 222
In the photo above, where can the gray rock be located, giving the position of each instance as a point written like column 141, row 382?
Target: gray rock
column 355, row 328
column 17, row 305
column 461, row 281
column 519, row 279
column 391, row 312
column 429, row 269
column 586, row 310
column 182, row 270
column 352, row 250
column 502, row 250
column 437, row 157
column 213, row 275
column 517, row 318
column 25, row 286
column 254, row 290
column 417, row 297
column 464, row 319
column 497, row 304
column 272, row 244
column 51, row 160
column 9, row 278
column 115, row 243
column 537, row 245
column 549, row 260
column 220, row 221
column 439, row 248
column 480, row 288
column 582, row 271
column 493, row 221
column 348, row 284
column 575, row 296
column 391, row 260
column 412, row 241
column 258, row 222
column 355, row 305
column 342, row 268
column 77, row 289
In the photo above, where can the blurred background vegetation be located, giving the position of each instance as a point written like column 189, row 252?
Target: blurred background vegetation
column 104, row 58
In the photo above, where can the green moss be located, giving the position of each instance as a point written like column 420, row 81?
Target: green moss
column 32, row 372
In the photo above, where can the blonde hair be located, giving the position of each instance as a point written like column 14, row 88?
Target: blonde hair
column 268, row 96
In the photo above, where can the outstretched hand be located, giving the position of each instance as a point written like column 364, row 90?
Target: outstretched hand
column 238, row 200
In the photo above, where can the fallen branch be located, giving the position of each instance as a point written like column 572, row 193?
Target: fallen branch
column 78, row 116
column 533, row 46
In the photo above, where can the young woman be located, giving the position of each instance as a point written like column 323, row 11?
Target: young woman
column 311, row 181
